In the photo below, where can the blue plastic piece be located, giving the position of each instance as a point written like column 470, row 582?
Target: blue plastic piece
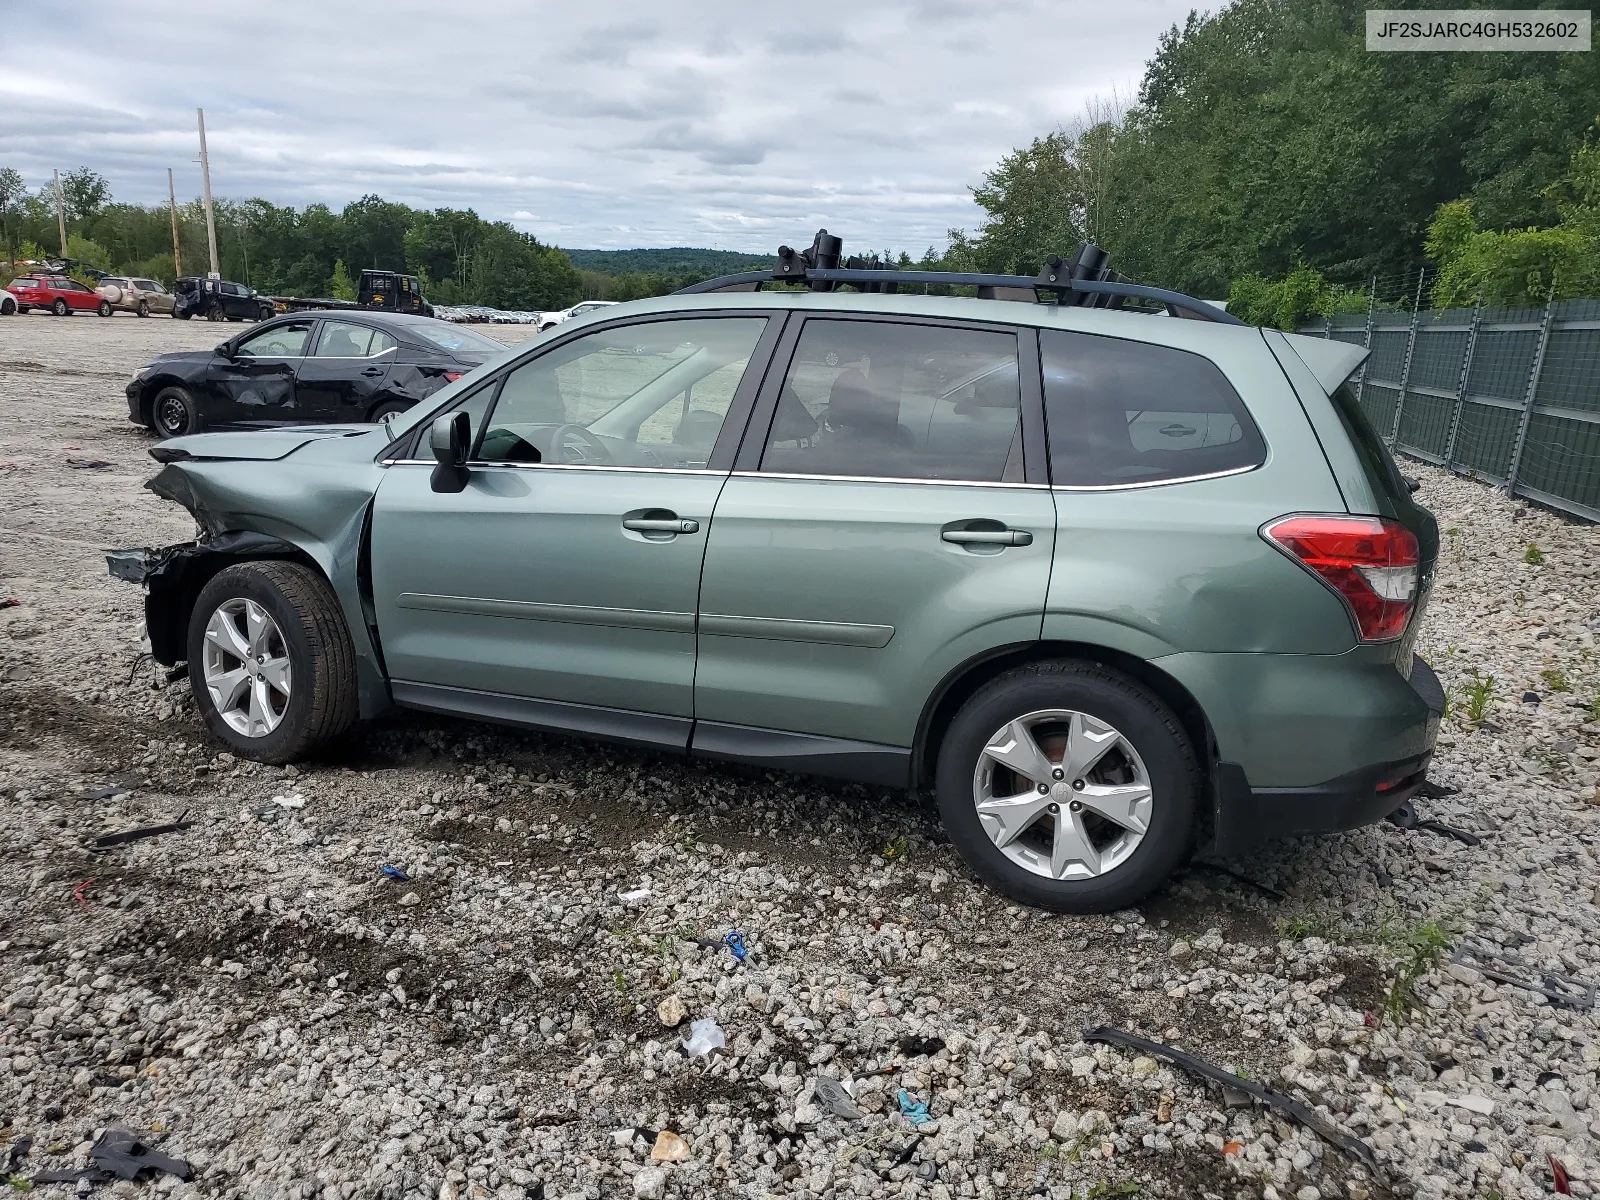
column 915, row 1111
column 735, row 942
column 395, row 872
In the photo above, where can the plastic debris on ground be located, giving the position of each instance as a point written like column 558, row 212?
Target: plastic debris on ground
column 106, row 840
column 705, row 1035
column 669, row 1147
column 916, row 1047
column 1563, row 991
column 78, row 892
column 1406, row 817
column 10, row 602
column 394, row 872
column 914, row 1110
column 119, row 1154
column 1558, row 1176
column 636, row 896
column 734, row 941
column 1287, row 1105
column 292, row 800
column 88, row 464
column 831, row 1094
column 104, row 793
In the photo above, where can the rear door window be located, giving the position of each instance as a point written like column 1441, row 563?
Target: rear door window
column 1123, row 413
column 882, row 400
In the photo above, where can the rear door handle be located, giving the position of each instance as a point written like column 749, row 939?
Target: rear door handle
column 988, row 537
column 661, row 525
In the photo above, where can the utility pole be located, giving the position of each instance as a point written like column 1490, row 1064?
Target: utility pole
column 205, row 179
column 172, row 200
column 61, row 216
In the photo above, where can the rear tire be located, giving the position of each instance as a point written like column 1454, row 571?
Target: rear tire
column 61, row 308
column 173, row 413
column 1144, row 749
column 306, row 695
column 387, row 408
column 215, row 313
column 266, row 313
column 144, row 308
column 8, row 307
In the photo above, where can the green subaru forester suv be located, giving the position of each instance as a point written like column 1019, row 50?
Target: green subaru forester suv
column 1119, row 586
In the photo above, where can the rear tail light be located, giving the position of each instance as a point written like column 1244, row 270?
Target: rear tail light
column 452, row 376
column 1372, row 563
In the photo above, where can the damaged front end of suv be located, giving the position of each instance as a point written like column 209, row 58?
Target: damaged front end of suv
column 300, row 497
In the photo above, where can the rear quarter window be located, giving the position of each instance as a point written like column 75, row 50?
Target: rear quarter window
column 1380, row 466
column 1122, row 413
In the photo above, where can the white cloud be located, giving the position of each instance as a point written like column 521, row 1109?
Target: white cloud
column 618, row 124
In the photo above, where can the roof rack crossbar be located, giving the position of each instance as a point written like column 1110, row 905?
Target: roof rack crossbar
column 1057, row 278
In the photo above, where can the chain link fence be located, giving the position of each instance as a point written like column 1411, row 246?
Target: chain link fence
column 1507, row 395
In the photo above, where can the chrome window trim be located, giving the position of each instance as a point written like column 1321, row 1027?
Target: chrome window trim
column 891, row 479
column 1152, row 483
column 520, row 466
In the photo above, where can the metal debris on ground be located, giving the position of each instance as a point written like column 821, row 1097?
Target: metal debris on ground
column 1287, row 1105
column 831, row 1094
column 106, row 840
column 119, row 1154
column 705, row 1035
column 396, row 873
column 1562, row 991
column 88, row 464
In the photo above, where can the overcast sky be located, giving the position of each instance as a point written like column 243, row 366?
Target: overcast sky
column 609, row 124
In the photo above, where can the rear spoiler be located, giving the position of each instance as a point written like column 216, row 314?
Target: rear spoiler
column 1332, row 362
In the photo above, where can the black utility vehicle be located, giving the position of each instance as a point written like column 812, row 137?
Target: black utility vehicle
column 304, row 368
column 218, row 300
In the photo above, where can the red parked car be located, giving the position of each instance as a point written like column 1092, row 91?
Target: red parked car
column 59, row 294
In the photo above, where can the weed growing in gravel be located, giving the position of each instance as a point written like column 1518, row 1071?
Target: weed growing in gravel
column 1555, row 679
column 1533, row 556
column 1298, row 928
column 1458, row 554
column 897, row 849
column 1419, row 946
column 1477, row 689
column 1594, row 707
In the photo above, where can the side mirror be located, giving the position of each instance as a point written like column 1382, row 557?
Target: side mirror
column 450, row 437
column 226, row 350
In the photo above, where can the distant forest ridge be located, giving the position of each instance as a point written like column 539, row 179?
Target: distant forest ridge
column 673, row 260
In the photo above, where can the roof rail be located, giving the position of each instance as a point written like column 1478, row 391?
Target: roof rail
column 1086, row 282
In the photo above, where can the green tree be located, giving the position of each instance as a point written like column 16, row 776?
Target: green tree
column 11, row 191
column 342, row 285
column 91, row 254
column 84, row 192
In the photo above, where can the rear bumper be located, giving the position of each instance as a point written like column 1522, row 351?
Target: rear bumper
column 1246, row 816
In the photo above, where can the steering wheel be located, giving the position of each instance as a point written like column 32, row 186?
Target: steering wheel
column 590, row 449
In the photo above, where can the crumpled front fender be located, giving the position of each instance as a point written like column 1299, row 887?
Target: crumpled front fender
column 312, row 507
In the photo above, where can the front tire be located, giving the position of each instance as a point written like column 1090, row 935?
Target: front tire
column 270, row 661
column 8, row 307
column 266, row 313
column 105, row 308
column 173, row 413
column 1068, row 786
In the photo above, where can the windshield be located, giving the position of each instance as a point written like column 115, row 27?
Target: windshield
column 447, row 337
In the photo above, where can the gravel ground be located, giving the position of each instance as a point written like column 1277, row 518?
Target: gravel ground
column 257, row 996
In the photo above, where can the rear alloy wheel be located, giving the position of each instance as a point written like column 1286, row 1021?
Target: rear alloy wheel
column 105, row 308
column 8, row 306
column 1067, row 786
column 144, row 308
column 389, row 408
column 61, row 308
column 173, row 413
column 270, row 661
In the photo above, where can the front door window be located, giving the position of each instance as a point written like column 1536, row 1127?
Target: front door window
column 281, row 341
column 647, row 395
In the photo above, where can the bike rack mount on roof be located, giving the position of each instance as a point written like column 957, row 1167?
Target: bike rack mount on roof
column 1086, row 282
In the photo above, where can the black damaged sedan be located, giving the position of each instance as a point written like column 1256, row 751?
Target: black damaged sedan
column 308, row 368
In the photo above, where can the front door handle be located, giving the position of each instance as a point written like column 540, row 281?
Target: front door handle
column 375, row 371
column 661, row 525
column 988, row 537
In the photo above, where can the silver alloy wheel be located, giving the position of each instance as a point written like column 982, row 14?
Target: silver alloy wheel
column 246, row 667
column 1062, row 794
